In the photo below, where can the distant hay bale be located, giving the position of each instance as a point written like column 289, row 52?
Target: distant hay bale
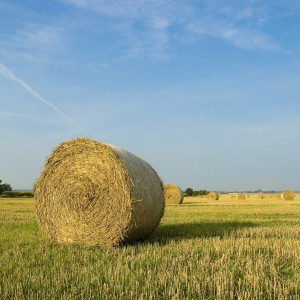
column 173, row 194
column 213, row 196
column 241, row 197
column 260, row 196
column 288, row 195
column 97, row 194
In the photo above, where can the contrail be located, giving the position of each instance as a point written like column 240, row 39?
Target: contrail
column 8, row 74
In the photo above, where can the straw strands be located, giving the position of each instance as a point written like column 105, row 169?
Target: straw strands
column 173, row 194
column 288, row 195
column 94, row 193
column 213, row 196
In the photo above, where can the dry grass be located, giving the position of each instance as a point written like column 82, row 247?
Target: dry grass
column 94, row 193
column 261, row 196
column 173, row 194
column 226, row 249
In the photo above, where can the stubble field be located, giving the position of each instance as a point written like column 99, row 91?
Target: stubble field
column 225, row 249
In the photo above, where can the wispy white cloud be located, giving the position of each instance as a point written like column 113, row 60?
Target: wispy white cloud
column 240, row 25
column 241, row 37
column 35, row 37
column 160, row 22
column 26, row 29
column 131, row 9
column 4, row 71
column 40, row 36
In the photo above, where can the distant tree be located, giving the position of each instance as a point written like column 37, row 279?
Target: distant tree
column 189, row 192
column 203, row 192
column 195, row 193
column 4, row 187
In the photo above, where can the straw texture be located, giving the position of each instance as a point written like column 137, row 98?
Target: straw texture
column 288, row 195
column 94, row 193
column 241, row 197
column 213, row 196
column 173, row 194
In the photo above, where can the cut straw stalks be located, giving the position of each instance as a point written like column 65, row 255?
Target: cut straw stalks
column 97, row 194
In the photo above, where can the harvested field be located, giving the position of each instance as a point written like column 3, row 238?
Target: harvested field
column 222, row 249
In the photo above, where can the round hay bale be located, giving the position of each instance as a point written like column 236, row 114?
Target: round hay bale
column 97, row 194
column 173, row 194
column 260, row 196
column 213, row 196
column 241, row 197
column 288, row 195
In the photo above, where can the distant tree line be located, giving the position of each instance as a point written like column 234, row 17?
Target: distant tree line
column 191, row 192
column 10, row 194
column 7, row 192
column 4, row 187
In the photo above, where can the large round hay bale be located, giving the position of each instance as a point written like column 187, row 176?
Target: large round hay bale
column 241, row 197
column 173, row 194
column 97, row 194
column 288, row 195
column 213, row 196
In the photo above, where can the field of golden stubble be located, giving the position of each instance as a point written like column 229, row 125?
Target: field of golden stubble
column 224, row 249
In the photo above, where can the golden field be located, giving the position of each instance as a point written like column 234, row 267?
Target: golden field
column 224, row 249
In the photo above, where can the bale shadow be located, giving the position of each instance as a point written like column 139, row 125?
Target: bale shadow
column 167, row 233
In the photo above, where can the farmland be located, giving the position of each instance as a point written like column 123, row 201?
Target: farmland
column 225, row 249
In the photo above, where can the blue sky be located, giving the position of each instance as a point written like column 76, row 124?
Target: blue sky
column 208, row 92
